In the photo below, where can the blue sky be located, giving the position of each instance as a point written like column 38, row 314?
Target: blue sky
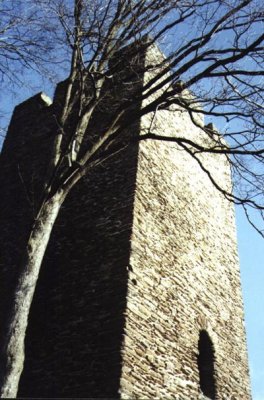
column 251, row 247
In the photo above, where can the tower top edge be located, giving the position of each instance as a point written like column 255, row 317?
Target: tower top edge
column 40, row 100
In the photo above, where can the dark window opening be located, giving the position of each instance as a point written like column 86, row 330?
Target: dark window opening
column 205, row 362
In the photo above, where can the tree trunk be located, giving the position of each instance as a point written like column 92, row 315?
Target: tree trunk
column 13, row 352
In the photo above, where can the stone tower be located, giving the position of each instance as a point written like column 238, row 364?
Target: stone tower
column 139, row 294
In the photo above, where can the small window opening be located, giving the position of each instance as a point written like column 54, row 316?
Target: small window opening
column 205, row 362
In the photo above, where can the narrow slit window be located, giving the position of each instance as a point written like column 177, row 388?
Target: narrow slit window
column 205, row 362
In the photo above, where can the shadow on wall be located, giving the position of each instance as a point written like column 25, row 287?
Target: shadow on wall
column 76, row 323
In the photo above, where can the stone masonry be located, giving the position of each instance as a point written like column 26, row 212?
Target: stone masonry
column 139, row 295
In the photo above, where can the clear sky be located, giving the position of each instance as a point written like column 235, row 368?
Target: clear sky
column 251, row 247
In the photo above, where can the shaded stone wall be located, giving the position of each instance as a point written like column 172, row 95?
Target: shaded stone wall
column 76, row 323
column 142, row 260
column 23, row 163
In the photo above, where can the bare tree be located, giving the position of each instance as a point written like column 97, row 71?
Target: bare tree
column 213, row 68
column 27, row 43
column 25, row 39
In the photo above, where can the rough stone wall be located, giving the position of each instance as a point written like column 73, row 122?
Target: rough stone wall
column 23, row 163
column 143, row 257
column 75, row 329
column 76, row 323
column 184, row 270
column 184, row 276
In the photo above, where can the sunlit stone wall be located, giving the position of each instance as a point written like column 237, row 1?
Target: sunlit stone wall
column 184, row 271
